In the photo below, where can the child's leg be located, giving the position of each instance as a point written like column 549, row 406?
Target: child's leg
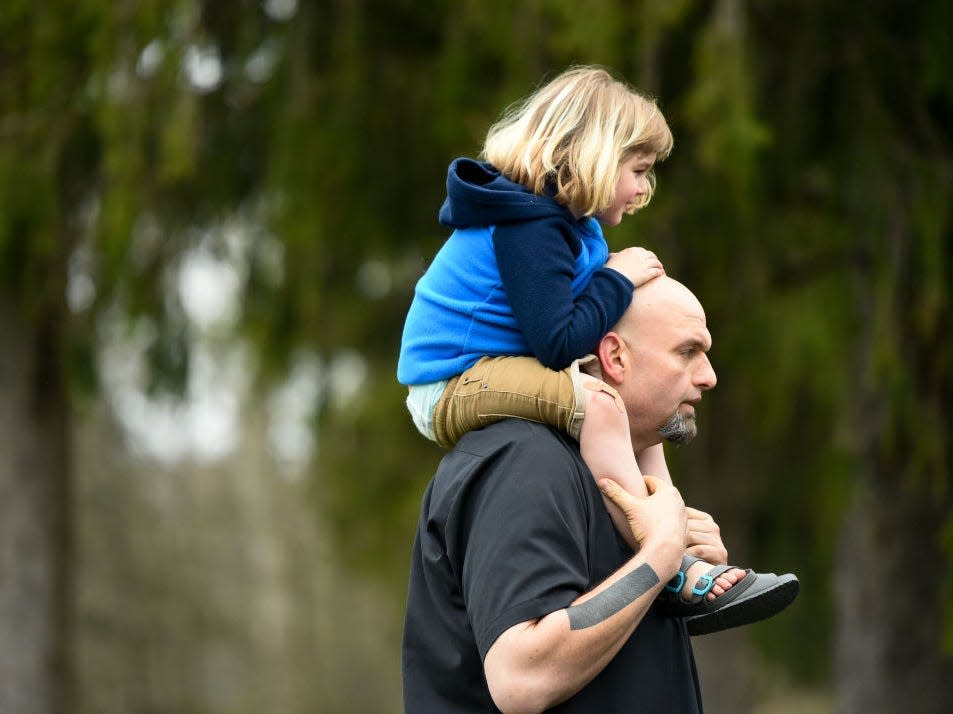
column 604, row 439
column 606, row 447
column 652, row 461
column 497, row 388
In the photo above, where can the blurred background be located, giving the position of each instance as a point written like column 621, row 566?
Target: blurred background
column 212, row 217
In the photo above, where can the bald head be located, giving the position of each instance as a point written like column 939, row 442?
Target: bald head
column 655, row 302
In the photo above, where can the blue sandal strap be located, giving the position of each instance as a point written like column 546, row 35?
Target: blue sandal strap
column 708, row 579
column 676, row 584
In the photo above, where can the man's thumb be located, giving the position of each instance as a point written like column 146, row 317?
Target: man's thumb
column 608, row 487
column 651, row 483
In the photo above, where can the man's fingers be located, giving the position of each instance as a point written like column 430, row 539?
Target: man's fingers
column 705, row 537
column 710, row 553
column 612, row 490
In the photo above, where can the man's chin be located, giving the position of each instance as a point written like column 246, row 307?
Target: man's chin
column 680, row 429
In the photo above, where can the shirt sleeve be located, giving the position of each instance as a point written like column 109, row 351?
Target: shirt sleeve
column 525, row 552
column 537, row 269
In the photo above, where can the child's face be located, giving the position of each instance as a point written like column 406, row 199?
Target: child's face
column 631, row 185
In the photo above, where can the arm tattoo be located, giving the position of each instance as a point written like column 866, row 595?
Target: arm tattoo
column 607, row 603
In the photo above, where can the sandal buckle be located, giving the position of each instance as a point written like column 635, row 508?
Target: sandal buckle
column 709, row 583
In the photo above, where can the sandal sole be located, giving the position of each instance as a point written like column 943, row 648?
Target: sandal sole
column 746, row 610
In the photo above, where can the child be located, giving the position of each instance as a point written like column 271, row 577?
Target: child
column 503, row 320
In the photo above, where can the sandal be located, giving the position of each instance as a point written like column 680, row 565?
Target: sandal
column 755, row 597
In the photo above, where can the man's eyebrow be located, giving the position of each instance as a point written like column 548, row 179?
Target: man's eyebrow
column 695, row 343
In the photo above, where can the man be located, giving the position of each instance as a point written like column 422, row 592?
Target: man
column 522, row 596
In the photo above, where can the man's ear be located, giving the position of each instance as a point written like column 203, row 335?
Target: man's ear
column 614, row 357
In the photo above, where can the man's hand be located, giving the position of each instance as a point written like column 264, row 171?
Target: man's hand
column 661, row 518
column 704, row 538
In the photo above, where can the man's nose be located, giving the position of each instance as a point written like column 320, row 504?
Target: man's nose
column 705, row 376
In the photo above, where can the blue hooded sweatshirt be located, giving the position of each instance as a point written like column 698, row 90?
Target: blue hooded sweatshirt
column 519, row 275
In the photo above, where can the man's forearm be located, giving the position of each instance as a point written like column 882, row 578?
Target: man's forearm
column 617, row 596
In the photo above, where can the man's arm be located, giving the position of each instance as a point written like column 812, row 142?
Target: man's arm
column 536, row 664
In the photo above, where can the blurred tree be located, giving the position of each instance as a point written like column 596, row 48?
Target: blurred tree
column 113, row 158
column 212, row 587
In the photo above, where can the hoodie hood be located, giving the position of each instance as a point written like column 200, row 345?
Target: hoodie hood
column 479, row 195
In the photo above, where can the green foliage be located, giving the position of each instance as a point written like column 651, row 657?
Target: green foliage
column 719, row 106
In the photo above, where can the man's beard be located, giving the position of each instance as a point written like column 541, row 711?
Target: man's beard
column 679, row 429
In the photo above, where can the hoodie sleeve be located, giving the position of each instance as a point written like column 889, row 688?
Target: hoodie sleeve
column 537, row 269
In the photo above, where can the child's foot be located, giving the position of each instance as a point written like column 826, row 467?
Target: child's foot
column 719, row 599
column 696, row 579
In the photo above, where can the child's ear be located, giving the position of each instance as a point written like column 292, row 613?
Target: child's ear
column 614, row 357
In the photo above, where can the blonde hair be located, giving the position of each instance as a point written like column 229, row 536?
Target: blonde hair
column 571, row 135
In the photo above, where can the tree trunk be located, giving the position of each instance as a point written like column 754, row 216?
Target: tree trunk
column 892, row 574
column 889, row 595
column 34, row 495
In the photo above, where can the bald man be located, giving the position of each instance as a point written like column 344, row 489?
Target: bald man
column 522, row 597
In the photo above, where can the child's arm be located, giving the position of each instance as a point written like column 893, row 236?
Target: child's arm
column 652, row 461
column 538, row 266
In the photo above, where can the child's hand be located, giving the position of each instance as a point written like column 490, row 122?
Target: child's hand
column 637, row 264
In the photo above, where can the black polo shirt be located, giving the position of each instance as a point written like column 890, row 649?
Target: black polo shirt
column 513, row 527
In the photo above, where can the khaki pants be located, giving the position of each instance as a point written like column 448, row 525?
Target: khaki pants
column 498, row 388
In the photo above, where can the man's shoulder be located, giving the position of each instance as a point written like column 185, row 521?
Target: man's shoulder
column 532, row 449
column 532, row 439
